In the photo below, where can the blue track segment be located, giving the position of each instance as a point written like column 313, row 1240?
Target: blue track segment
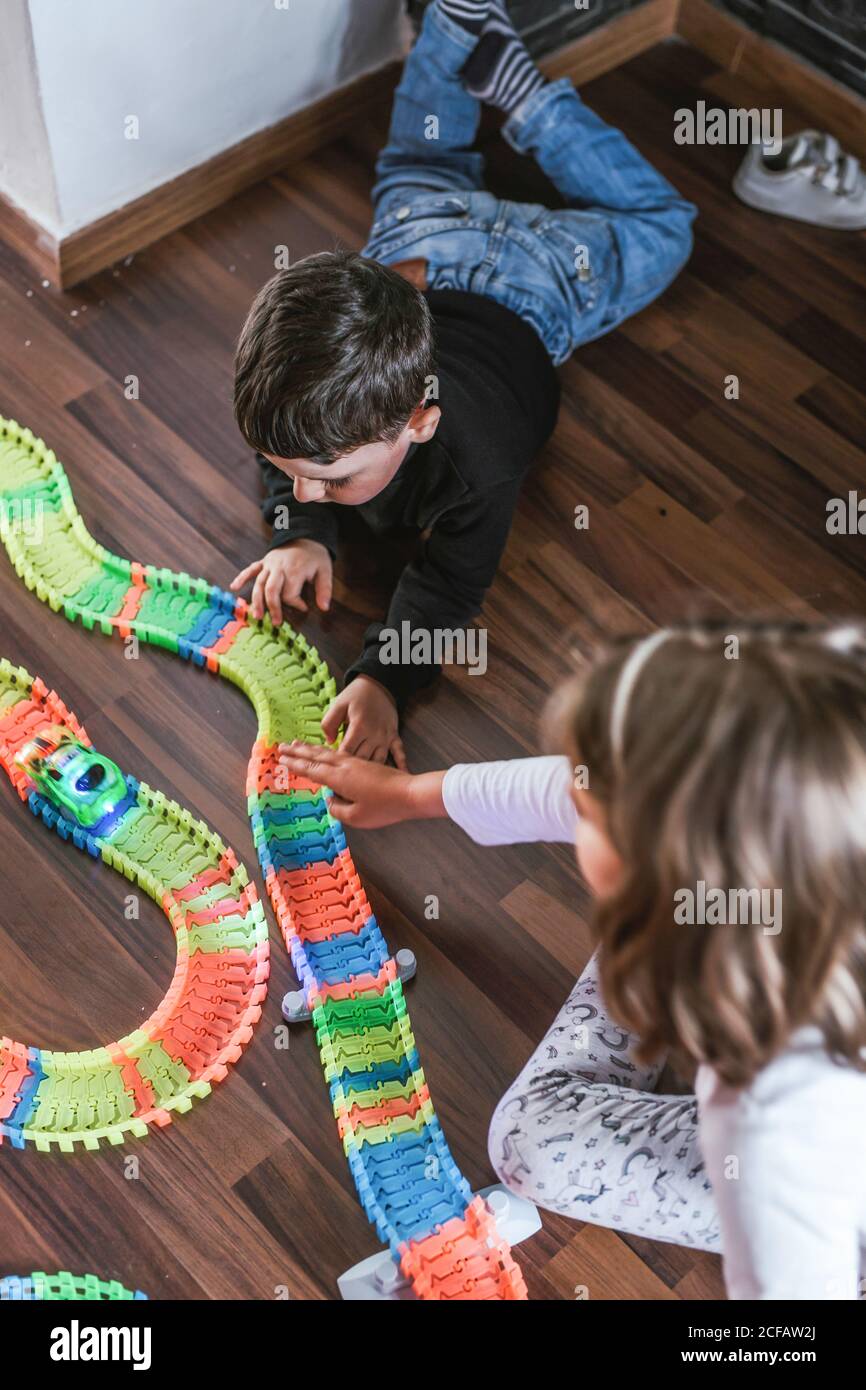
column 340, row 957
column 16, row 1288
column 274, row 818
column 14, row 1124
column 353, row 1083
column 407, row 1178
column 206, row 629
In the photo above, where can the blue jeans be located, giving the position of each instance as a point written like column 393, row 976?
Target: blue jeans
column 573, row 273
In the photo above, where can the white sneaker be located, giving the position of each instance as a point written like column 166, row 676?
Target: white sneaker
column 810, row 179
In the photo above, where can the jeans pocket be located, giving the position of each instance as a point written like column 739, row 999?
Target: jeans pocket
column 413, row 221
column 581, row 243
column 406, row 208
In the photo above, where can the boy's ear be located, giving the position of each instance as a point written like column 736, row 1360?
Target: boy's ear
column 424, row 423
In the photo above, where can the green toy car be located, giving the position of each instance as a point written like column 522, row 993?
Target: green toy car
column 86, row 786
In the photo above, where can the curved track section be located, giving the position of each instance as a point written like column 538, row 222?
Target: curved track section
column 66, row 1288
column 407, row 1181
column 111, row 1093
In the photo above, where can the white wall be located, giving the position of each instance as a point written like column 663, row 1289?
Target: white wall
column 199, row 75
column 26, row 170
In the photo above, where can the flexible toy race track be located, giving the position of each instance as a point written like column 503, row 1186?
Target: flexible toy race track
column 445, row 1240
column 207, row 1016
column 63, row 1287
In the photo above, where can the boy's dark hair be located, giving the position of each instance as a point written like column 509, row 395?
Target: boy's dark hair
column 335, row 353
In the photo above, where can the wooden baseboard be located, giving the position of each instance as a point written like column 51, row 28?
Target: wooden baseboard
column 69, row 260
column 763, row 63
column 33, row 243
column 614, row 43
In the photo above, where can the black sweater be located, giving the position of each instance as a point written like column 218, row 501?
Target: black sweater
column 499, row 397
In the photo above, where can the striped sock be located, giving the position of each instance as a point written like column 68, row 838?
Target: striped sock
column 501, row 71
column 469, row 14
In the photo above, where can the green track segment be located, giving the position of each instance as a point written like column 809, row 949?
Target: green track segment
column 66, row 1288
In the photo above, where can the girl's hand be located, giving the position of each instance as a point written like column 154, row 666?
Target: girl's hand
column 368, row 795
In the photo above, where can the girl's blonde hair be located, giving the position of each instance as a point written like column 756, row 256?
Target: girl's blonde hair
column 735, row 756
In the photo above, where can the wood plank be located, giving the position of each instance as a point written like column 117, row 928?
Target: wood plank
column 783, row 424
column 551, row 925
column 597, row 1266
column 39, row 348
column 712, row 562
column 839, row 407
column 812, row 569
column 728, row 334
column 704, row 1280
column 839, row 351
column 604, row 393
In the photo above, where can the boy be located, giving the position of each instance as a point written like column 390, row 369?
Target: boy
column 416, row 382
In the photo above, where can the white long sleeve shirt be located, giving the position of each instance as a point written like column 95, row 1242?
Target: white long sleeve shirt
column 786, row 1155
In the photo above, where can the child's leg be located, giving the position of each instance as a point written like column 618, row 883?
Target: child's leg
column 434, row 120
column 575, row 1134
column 595, row 167
column 592, row 165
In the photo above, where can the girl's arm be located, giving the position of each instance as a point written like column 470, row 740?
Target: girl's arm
column 520, row 801
column 524, row 800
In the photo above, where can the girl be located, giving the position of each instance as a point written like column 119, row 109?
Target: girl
column 715, row 787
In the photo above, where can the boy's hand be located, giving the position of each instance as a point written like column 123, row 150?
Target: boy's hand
column 365, row 794
column 370, row 716
column 281, row 576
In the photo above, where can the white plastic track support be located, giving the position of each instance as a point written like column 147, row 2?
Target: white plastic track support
column 295, row 1009
column 380, row 1279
